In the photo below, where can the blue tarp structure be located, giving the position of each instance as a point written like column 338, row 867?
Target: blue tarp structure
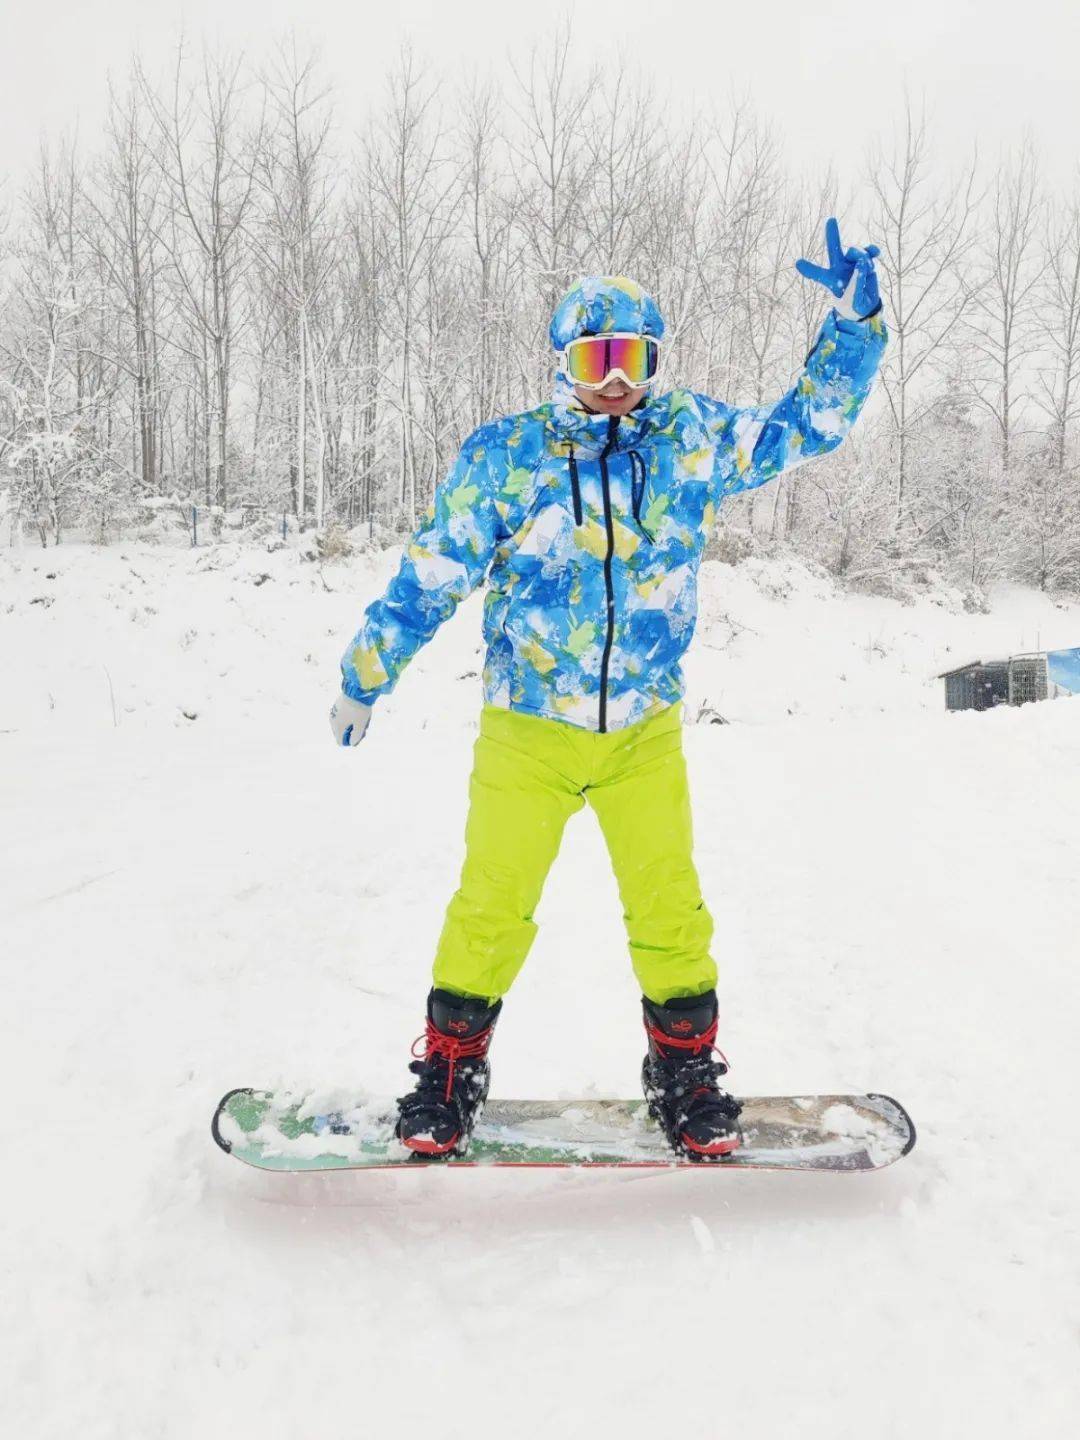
column 1063, row 669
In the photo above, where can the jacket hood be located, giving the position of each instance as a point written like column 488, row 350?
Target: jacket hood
column 603, row 305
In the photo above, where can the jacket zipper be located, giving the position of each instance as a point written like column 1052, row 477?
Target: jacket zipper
column 613, row 426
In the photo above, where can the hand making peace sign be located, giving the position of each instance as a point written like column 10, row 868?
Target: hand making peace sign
column 849, row 276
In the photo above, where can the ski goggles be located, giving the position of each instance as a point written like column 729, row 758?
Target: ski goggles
column 591, row 360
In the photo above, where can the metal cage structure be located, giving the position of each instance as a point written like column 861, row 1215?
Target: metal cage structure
column 1027, row 679
column 982, row 684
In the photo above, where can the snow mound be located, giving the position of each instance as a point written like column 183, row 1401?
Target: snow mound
column 199, row 891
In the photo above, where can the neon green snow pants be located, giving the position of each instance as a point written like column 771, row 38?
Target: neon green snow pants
column 530, row 774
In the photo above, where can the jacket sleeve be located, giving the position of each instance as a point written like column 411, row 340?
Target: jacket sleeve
column 755, row 444
column 444, row 561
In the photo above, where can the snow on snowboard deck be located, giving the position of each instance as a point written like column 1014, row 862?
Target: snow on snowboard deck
column 290, row 1132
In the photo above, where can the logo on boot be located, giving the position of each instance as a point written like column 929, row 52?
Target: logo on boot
column 682, row 1027
column 457, row 1026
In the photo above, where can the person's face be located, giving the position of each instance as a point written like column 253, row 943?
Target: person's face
column 614, row 397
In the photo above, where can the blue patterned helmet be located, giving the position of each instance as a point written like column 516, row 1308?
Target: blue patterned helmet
column 603, row 305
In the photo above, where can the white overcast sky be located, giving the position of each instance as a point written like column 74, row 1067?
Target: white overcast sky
column 830, row 73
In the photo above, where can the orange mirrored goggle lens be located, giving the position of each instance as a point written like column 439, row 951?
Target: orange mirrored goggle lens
column 591, row 359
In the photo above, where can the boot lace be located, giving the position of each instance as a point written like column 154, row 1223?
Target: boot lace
column 695, row 1072
column 450, row 1051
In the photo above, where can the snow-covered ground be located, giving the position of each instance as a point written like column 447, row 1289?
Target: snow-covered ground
column 199, row 891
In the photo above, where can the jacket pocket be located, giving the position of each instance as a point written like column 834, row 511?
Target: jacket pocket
column 637, row 492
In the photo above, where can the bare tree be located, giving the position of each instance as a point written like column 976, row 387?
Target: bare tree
column 418, row 189
column 297, row 239
column 123, row 216
column 678, row 249
column 1058, row 391
column 622, row 121
column 550, row 172
column 1003, row 322
column 364, row 283
column 51, row 399
column 925, row 233
column 208, row 154
column 488, row 226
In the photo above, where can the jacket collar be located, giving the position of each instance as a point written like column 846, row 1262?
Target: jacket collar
column 570, row 424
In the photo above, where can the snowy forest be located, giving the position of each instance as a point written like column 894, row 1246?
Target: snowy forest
column 226, row 301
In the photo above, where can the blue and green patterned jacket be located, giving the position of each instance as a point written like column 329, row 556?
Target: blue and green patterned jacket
column 589, row 529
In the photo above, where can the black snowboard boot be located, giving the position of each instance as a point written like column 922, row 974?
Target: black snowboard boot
column 679, row 1078
column 452, row 1077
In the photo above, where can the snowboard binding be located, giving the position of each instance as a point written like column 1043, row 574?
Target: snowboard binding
column 436, row 1119
column 679, row 1077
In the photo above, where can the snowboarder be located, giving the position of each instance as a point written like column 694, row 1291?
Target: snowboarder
column 588, row 516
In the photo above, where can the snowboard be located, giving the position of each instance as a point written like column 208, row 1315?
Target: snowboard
column 333, row 1131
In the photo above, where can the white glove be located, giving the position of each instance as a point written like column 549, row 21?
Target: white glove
column 349, row 719
column 852, row 304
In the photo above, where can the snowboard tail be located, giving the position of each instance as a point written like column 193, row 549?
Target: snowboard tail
column 293, row 1132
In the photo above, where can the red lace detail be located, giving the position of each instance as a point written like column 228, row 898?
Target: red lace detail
column 450, row 1048
column 705, row 1041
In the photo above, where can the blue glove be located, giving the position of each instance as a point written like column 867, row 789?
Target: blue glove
column 849, row 277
